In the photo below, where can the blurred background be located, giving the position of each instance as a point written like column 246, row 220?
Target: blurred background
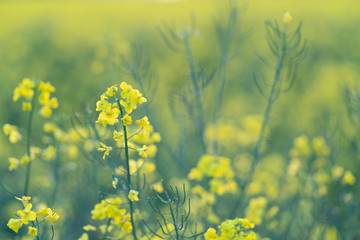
column 82, row 47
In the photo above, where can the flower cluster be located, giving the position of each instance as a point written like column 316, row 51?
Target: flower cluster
column 112, row 109
column 12, row 132
column 14, row 162
column 219, row 170
column 109, row 112
column 27, row 215
column 232, row 134
column 302, row 152
column 237, row 229
column 45, row 99
column 256, row 209
column 26, row 90
column 109, row 208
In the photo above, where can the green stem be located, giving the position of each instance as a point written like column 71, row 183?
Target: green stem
column 28, row 145
column 38, row 229
column 174, row 222
column 128, row 174
column 56, row 177
column 200, row 115
column 274, row 93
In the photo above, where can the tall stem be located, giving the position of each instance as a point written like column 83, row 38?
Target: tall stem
column 28, row 145
column 198, row 104
column 128, row 174
column 174, row 221
column 274, row 93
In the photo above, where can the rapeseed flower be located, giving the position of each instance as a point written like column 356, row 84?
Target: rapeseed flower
column 287, row 18
column 348, row 179
column 89, row 228
column 118, row 136
column 15, row 224
column 109, row 116
column 24, row 89
column 143, row 151
column 14, row 163
column 24, row 200
column 32, row 231
column 12, row 132
column 133, row 195
column 45, row 99
column 26, row 106
column 26, row 214
column 126, row 120
column 105, row 149
column 144, row 122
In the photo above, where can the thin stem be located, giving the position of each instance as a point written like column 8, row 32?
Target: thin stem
column 200, row 115
column 38, row 229
column 28, row 145
column 56, row 177
column 174, row 222
column 266, row 117
column 128, row 174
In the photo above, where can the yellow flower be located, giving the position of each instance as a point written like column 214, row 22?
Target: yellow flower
column 32, row 231
column 115, row 182
column 26, row 214
column 143, row 151
column 142, row 122
column 45, row 100
column 126, row 89
column 103, row 105
column 26, row 106
column 195, row 174
column 50, row 127
column 245, row 223
column 33, row 152
column 127, row 227
column 15, row 224
column 12, row 132
column 158, row 187
column 105, row 149
column 53, row 217
column 25, row 159
column 14, row 163
column 136, row 97
column 109, row 116
column 45, row 111
column 44, row 211
column 133, row 195
column 84, row 236
column 337, row 172
column 46, row 87
column 111, row 91
column 287, row 18
column 118, row 135
column 126, row 120
column 49, row 153
column 89, row 228
column 24, row 89
column 129, row 106
column 256, row 209
column 24, row 200
column 210, row 234
column 348, row 179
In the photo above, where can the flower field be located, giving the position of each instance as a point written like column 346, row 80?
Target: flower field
column 199, row 119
